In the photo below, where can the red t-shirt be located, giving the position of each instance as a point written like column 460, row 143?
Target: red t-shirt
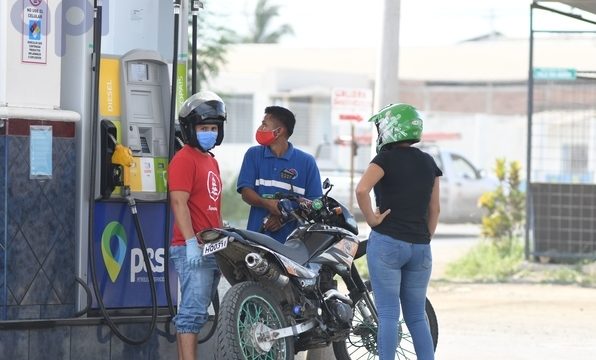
column 197, row 175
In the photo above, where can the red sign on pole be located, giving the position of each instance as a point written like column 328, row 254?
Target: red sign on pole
column 351, row 104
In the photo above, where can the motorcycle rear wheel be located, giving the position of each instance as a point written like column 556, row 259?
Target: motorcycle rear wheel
column 247, row 309
column 362, row 341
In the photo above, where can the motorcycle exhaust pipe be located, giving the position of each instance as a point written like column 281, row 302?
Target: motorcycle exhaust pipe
column 256, row 263
column 260, row 267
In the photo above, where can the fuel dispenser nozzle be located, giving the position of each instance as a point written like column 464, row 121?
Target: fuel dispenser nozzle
column 122, row 159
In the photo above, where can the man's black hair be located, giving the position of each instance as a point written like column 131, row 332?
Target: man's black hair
column 284, row 115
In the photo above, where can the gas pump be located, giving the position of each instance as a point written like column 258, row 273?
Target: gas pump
column 138, row 122
column 116, row 161
column 140, row 119
column 120, row 227
column 133, row 117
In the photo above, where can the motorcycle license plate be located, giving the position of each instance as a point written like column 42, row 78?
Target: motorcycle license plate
column 215, row 246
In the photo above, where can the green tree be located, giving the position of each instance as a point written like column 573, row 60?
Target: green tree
column 260, row 28
column 505, row 206
column 213, row 40
column 499, row 257
column 234, row 209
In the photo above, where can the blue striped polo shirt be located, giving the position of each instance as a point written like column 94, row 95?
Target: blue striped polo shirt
column 294, row 172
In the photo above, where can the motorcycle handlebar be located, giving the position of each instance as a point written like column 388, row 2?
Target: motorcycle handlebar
column 310, row 209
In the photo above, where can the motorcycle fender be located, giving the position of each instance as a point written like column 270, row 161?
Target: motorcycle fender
column 295, row 269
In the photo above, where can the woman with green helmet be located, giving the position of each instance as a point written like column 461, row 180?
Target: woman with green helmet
column 406, row 185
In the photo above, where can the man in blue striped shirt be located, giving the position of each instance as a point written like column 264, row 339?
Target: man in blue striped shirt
column 276, row 166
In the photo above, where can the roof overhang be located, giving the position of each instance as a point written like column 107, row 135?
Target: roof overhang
column 585, row 5
column 588, row 6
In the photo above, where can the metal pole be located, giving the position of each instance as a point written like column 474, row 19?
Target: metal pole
column 387, row 79
column 174, row 80
column 195, row 5
column 387, row 82
column 353, row 151
column 530, row 100
column 171, row 150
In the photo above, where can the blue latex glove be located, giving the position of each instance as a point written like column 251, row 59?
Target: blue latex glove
column 193, row 252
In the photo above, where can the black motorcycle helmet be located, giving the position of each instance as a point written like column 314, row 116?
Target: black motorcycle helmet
column 204, row 107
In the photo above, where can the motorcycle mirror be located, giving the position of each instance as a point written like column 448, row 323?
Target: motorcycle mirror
column 326, row 184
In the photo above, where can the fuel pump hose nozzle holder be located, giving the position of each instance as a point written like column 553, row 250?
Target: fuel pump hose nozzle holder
column 123, row 156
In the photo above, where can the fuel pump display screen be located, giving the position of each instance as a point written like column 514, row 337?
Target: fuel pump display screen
column 139, row 72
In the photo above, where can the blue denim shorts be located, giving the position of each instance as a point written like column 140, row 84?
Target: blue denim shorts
column 197, row 287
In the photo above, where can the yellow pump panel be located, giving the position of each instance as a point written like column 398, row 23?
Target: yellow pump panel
column 109, row 88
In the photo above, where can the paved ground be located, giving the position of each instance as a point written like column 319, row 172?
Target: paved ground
column 503, row 321
column 515, row 321
column 507, row 321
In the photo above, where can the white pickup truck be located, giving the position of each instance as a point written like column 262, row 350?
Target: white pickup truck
column 461, row 185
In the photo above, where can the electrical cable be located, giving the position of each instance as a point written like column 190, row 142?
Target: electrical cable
column 97, row 28
column 4, row 205
column 215, row 302
column 89, row 297
column 171, row 148
column 193, row 66
column 196, row 5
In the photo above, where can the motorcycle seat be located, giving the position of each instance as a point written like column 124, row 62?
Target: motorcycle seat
column 292, row 249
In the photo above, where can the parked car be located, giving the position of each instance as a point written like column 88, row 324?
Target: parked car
column 462, row 184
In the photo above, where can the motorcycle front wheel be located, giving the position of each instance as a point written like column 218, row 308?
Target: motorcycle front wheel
column 362, row 341
column 247, row 310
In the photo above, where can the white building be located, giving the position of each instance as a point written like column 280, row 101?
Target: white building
column 473, row 95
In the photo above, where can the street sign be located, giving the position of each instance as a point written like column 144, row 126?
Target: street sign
column 351, row 104
column 548, row 73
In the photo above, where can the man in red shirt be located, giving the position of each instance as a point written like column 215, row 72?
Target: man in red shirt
column 195, row 190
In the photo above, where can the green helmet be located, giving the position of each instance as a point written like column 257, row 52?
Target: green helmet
column 397, row 122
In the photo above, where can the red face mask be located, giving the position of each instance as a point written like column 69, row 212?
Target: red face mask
column 265, row 137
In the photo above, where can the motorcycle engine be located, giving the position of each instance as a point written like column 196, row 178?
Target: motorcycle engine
column 341, row 311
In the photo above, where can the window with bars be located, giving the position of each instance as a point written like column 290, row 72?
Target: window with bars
column 312, row 119
column 575, row 158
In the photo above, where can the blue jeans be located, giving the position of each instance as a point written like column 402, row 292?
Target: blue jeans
column 197, row 287
column 399, row 273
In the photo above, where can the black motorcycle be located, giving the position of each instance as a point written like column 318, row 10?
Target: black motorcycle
column 284, row 298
